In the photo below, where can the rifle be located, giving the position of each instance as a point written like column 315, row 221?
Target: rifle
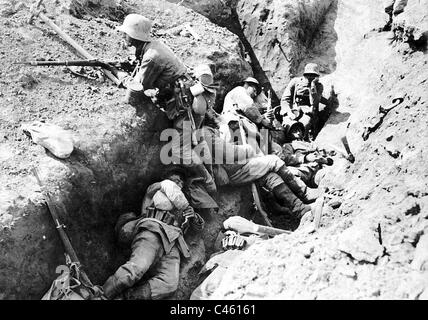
column 70, row 253
column 254, row 190
column 242, row 225
column 112, row 66
column 184, row 103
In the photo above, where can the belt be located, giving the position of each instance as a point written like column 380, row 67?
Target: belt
column 161, row 215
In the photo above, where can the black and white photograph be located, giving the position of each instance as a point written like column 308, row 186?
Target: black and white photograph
column 235, row 152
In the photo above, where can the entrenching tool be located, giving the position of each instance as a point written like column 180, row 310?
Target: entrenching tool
column 36, row 11
column 242, row 225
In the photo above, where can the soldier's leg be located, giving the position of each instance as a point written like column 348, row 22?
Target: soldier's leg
column 306, row 120
column 165, row 282
column 274, row 183
column 184, row 154
column 198, row 195
column 298, row 186
column 147, row 248
column 162, row 281
column 256, row 168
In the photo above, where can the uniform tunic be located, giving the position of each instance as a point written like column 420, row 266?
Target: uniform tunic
column 154, row 247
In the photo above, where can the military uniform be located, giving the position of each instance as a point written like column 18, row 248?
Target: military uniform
column 302, row 99
column 293, row 154
column 238, row 105
column 160, row 68
column 241, row 165
column 157, row 241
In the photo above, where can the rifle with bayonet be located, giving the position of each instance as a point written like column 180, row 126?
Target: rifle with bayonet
column 112, row 66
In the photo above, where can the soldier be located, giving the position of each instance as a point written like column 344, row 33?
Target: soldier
column 241, row 165
column 303, row 158
column 300, row 100
column 163, row 75
column 157, row 240
column 246, row 103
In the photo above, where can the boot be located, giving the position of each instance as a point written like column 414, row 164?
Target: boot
column 290, row 201
column 306, row 194
column 208, row 179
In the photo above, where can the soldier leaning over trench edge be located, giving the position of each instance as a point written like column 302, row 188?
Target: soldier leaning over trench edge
column 161, row 75
column 152, row 271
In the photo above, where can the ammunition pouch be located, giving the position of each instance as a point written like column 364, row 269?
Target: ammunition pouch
column 162, row 215
column 170, row 97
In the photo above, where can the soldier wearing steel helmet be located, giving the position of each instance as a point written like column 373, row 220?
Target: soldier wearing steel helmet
column 160, row 70
column 244, row 103
column 300, row 100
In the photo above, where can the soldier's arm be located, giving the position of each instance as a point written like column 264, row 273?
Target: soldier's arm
column 290, row 157
column 147, row 73
column 287, row 98
column 253, row 113
column 228, row 150
column 148, row 197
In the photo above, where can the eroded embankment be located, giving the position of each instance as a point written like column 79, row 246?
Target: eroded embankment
column 117, row 150
column 373, row 246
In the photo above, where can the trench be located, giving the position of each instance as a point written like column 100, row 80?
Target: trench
column 92, row 190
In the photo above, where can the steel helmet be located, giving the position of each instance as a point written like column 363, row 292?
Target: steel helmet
column 136, row 26
column 255, row 82
column 289, row 125
column 312, row 68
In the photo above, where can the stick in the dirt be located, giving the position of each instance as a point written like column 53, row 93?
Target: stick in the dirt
column 254, row 190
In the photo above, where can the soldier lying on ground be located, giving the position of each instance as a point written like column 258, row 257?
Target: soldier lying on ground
column 157, row 240
column 300, row 101
column 303, row 158
column 162, row 74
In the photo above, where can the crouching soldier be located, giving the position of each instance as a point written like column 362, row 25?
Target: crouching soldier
column 156, row 238
column 161, row 76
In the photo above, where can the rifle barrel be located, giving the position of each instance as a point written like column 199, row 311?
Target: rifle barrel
column 89, row 63
column 60, row 227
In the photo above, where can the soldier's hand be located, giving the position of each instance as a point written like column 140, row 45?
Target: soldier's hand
column 188, row 212
column 266, row 123
column 312, row 157
column 269, row 115
column 233, row 240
